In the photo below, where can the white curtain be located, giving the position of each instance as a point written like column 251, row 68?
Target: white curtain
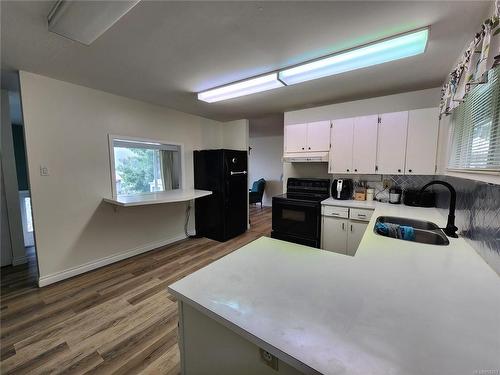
column 481, row 55
column 167, row 167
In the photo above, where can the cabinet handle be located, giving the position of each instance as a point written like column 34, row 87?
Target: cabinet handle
column 361, row 215
column 355, row 170
column 348, row 170
column 351, row 227
column 343, row 226
column 309, row 148
column 409, row 170
column 302, row 148
column 399, row 170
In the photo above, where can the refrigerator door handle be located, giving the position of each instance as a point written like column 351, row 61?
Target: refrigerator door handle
column 236, row 173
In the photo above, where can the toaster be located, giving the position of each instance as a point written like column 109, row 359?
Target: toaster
column 342, row 188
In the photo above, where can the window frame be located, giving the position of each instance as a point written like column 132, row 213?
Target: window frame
column 450, row 152
column 113, row 137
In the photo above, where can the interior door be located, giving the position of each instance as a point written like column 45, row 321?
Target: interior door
column 364, row 152
column 391, row 150
column 421, row 146
column 296, row 138
column 342, row 143
column 334, row 234
column 356, row 231
column 318, row 136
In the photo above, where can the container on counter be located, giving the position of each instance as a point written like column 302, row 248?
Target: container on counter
column 370, row 193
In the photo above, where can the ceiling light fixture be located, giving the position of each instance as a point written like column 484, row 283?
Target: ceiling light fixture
column 382, row 51
column 241, row 88
column 85, row 21
column 391, row 49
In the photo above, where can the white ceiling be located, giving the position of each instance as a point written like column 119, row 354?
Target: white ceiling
column 164, row 52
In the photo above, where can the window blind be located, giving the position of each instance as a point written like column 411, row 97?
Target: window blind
column 476, row 128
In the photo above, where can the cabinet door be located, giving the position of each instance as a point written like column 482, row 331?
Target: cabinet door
column 391, row 150
column 364, row 150
column 334, row 234
column 421, row 149
column 318, row 136
column 356, row 231
column 342, row 142
column 296, row 138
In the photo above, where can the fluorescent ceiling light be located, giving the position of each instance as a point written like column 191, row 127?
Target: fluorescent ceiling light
column 390, row 49
column 85, row 21
column 395, row 48
column 242, row 88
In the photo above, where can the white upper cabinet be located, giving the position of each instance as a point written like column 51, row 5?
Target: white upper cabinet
column 310, row 137
column 364, row 151
column 296, row 138
column 354, row 145
column 342, row 143
column 423, row 128
column 391, row 151
column 318, row 136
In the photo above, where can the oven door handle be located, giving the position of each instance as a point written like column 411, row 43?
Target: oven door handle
column 237, row 173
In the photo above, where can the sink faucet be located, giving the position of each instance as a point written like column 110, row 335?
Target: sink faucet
column 451, row 229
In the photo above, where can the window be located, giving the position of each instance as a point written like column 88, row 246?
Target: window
column 143, row 166
column 476, row 128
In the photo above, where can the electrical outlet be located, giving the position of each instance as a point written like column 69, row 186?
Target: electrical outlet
column 269, row 359
column 44, row 171
column 387, row 184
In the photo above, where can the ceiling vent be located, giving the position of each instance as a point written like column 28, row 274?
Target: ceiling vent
column 85, row 21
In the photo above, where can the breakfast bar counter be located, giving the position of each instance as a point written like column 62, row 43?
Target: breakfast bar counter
column 396, row 307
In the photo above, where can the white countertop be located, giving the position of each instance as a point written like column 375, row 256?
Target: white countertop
column 350, row 203
column 170, row 196
column 396, row 307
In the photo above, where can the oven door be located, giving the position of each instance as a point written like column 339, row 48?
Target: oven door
column 296, row 218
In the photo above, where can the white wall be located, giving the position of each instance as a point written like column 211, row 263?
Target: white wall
column 382, row 104
column 265, row 161
column 67, row 129
column 235, row 135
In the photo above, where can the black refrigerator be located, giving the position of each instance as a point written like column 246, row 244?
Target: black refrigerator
column 222, row 215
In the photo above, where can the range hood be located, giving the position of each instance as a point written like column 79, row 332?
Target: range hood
column 306, row 157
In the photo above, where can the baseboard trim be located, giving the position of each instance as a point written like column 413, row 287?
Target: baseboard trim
column 66, row 274
column 20, row 260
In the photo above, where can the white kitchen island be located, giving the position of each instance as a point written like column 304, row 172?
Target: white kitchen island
column 396, row 307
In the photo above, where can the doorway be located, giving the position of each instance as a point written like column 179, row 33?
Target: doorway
column 18, row 254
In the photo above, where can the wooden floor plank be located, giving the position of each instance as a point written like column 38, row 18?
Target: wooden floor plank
column 114, row 320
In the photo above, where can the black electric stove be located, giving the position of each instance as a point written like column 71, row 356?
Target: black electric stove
column 297, row 213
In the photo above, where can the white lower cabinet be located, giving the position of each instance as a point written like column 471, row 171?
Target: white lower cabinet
column 334, row 234
column 356, row 231
column 342, row 229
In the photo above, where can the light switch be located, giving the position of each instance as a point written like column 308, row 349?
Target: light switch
column 44, row 170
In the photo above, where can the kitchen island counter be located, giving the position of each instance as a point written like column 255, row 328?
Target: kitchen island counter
column 396, row 307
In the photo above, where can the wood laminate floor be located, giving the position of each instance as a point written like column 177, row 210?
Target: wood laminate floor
column 118, row 319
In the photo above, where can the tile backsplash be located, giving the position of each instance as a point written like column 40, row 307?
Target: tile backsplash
column 477, row 215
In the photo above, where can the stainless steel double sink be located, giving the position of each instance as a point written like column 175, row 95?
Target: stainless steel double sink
column 425, row 231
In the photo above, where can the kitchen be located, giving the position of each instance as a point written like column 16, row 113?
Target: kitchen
column 251, row 187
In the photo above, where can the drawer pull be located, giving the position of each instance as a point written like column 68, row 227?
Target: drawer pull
column 361, row 215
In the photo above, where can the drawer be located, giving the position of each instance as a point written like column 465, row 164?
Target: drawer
column 335, row 211
column 360, row 214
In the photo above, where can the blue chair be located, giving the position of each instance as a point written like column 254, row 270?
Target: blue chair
column 257, row 191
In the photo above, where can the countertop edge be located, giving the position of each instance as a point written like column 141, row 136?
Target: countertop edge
column 292, row 361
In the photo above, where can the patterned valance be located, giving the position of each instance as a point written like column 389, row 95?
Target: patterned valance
column 481, row 55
